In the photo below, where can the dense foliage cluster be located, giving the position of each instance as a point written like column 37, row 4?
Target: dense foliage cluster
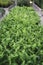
column 5, row 3
column 21, row 38
column 23, row 2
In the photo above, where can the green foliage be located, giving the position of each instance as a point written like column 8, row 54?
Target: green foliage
column 5, row 2
column 21, row 38
column 23, row 2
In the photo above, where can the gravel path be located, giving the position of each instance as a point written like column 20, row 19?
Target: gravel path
column 39, row 12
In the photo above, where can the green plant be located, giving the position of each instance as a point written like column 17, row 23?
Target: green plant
column 21, row 39
column 5, row 2
column 23, row 2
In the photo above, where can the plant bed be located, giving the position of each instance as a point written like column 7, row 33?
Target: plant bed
column 23, row 2
column 6, row 3
column 2, row 12
column 21, row 39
